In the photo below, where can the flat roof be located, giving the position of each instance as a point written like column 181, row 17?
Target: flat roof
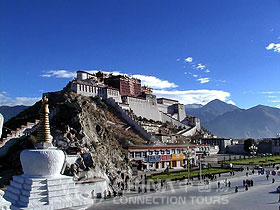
column 216, row 139
column 84, row 72
column 168, row 99
column 151, row 147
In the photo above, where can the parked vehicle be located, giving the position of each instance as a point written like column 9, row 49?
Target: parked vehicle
column 258, row 167
column 228, row 165
column 278, row 189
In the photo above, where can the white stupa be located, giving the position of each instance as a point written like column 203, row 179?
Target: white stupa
column 42, row 186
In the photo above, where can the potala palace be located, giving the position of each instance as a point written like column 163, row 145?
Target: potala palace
column 128, row 94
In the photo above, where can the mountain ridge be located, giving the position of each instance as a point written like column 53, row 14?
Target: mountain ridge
column 260, row 121
column 211, row 110
column 10, row 111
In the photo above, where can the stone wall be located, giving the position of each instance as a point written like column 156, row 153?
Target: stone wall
column 129, row 120
column 144, row 108
column 167, row 118
column 14, row 136
column 189, row 132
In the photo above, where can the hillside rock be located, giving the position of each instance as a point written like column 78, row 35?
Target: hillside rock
column 88, row 125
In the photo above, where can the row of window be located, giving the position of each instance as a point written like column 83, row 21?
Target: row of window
column 276, row 143
column 86, row 88
column 144, row 154
column 113, row 92
column 91, row 89
column 156, row 152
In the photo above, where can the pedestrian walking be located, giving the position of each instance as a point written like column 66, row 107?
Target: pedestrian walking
column 236, row 190
column 267, row 176
column 229, row 183
column 219, row 184
column 244, row 183
column 273, row 180
column 246, row 187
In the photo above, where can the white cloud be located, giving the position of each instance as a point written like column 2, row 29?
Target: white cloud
column 270, row 92
column 207, row 70
column 150, row 81
column 194, row 96
column 274, row 46
column 278, row 106
column 203, row 80
column 59, row 74
column 195, row 75
column 8, row 101
column 189, row 59
column 154, row 82
column 231, row 102
column 200, row 66
column 272, row 96
column 275, row 101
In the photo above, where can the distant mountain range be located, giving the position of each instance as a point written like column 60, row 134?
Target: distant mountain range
column 226, row 120
column 10, row 111
column 222, row 119
column 209, row 111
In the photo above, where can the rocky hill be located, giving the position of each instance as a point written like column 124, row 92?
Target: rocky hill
column 79, row 123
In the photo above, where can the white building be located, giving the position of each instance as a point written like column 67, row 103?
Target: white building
column 221, row 142
column 146, row 105
column 163, row 156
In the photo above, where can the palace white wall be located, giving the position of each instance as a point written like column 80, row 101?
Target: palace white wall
column 144, row 108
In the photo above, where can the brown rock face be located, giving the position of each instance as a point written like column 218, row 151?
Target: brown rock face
column 91, row 126
column 88, row 125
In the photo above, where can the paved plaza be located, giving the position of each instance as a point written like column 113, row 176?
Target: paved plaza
column 178, row 196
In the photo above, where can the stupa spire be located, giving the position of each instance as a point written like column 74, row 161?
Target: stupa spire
column 44, row 138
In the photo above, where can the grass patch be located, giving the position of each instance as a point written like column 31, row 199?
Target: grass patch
column 184, row 174
column 256, row 161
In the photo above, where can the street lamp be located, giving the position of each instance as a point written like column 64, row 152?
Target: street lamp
column 253, row 150
column 188, row 156
column 201, row 156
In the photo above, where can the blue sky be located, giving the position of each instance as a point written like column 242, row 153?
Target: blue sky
column 190, row 50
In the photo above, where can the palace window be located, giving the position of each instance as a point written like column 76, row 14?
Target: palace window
column 137, row 154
